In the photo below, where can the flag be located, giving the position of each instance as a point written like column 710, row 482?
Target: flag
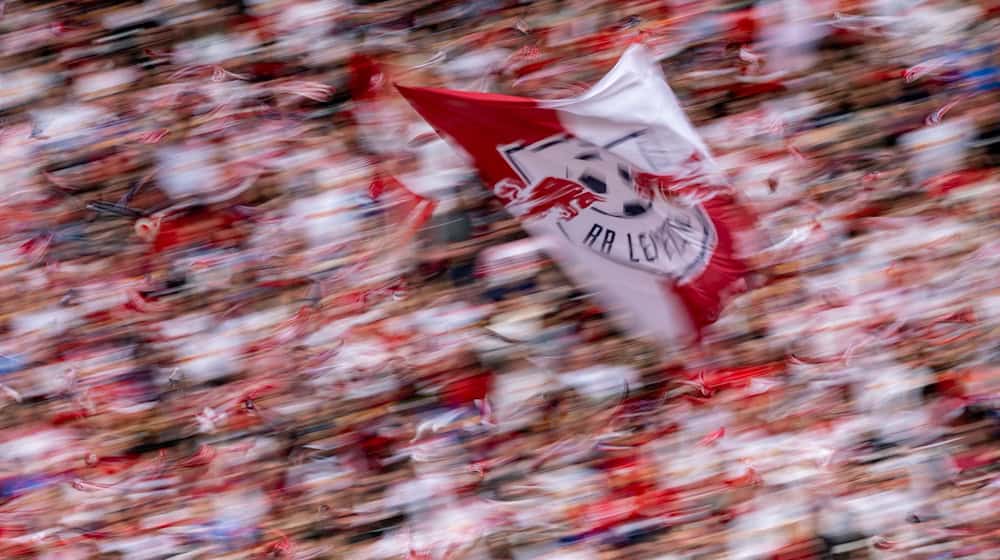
column 404, row 214
column 405, row 210
column 619, row 182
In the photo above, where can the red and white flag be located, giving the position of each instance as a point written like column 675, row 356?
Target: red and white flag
column 406, row 210
column 620, row 183
column 405, row 213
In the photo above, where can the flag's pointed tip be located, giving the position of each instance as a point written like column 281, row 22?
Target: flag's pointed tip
column 412, row 92
column 406, row 91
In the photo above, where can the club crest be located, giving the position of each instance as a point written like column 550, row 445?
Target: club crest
column 597, row 200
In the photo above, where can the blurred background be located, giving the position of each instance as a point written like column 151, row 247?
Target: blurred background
column 221, row 336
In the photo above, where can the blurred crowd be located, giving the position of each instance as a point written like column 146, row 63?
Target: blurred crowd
column 220, row 337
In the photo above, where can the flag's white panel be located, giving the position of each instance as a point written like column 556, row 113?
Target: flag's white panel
column 634, row 93
column 660, row 314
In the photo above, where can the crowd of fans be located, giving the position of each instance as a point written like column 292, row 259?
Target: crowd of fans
column 222, row 339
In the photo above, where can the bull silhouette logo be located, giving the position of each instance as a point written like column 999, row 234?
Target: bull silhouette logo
column 551, row 195
column 565, row 174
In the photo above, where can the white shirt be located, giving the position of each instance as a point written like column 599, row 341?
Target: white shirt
column 330, row 217
column 601, row 381
column 418, row 495
column 511, row 393
column 879, row 512
column 937, row 149
column 188, row 170
column 146, row 547
column 761, row 531
column 467, row 72
column 19, row 86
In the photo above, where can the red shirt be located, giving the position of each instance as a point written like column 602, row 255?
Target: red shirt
column 465, row 390
column 741, row 26
column 803, row 549
column 367, row 77
column 177, row 231
column 607, row 513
